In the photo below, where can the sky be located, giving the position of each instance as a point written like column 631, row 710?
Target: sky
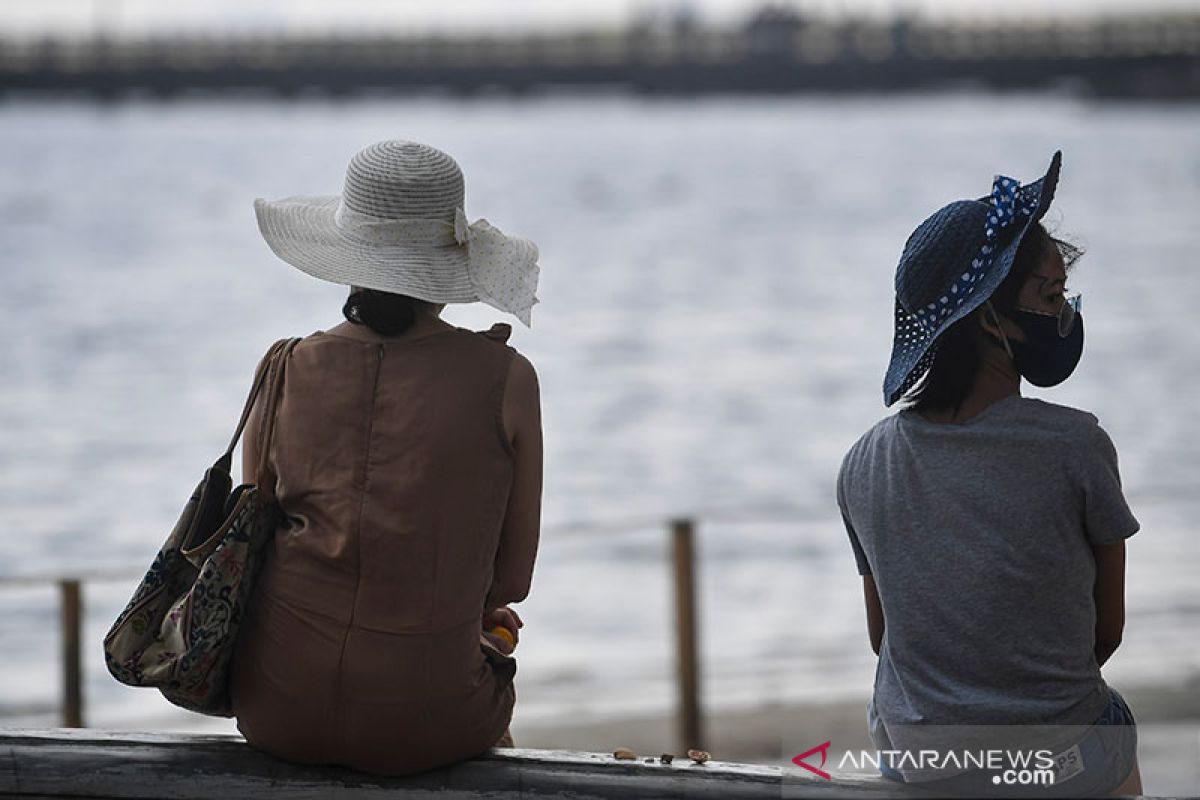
column 21, row 18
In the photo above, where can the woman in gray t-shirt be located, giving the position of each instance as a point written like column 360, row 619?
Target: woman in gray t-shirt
column 989, row 528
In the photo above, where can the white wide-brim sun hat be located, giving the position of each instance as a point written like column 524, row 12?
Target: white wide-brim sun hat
column 399, row 227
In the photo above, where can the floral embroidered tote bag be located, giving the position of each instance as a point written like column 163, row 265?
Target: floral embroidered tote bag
column 178, row 632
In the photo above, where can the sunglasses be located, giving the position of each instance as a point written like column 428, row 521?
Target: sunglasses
column 1067, row 313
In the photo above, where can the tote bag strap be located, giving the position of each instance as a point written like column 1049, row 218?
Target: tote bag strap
column 270, row 411
column 225, row 462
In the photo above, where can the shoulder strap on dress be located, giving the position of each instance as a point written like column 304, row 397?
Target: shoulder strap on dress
column 499, row 332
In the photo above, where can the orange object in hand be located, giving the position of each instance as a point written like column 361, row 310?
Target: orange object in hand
column 505, row 634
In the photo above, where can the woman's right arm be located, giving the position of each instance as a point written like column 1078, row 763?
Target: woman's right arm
column 1110, row 598
column 517, row 550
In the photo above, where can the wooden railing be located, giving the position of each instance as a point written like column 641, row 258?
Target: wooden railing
column 690, row 716
column 71, row 625
column 71, row 616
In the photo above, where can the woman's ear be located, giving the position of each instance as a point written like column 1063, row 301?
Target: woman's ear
column 992, row 325
column 987, row 320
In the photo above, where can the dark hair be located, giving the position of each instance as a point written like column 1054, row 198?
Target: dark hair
column 958, row 356
column 383, row 312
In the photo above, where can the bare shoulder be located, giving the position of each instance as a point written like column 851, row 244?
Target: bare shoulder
column 522, row 407
column 522, row 379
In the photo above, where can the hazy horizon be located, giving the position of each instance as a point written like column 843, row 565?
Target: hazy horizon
column 138, row 17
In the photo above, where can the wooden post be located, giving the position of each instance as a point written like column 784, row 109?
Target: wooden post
column 689, row 720
column 72, row 666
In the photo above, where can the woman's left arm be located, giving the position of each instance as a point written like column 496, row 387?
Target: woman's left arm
column 519, row 534
column 1108, row 522
column 1109, row 594
column 874, row 612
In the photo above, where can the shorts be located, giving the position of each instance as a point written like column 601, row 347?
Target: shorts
column 1095, row 765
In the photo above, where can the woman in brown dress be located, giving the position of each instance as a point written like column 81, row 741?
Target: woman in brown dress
column 407, row 458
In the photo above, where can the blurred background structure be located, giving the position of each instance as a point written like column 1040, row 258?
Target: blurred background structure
column 670, row 49
column 720, row 191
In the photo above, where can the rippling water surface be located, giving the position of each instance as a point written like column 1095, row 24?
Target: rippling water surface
column 714, row 326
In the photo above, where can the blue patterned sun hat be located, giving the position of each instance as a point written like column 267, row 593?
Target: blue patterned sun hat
column 952, row 263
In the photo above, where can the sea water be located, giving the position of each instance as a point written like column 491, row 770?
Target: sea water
column 714, row 326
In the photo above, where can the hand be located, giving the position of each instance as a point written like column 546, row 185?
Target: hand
column 498, row 642
column 506, row 618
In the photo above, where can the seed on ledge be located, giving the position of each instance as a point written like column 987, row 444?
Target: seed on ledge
column 699, row 756
column 623, row 754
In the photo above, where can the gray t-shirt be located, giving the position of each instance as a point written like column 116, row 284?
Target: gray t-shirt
column 979, row 537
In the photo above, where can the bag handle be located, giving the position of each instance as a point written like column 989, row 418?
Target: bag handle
column 225, row 462
column 271, row 410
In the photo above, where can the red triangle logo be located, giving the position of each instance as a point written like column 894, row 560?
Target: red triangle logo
column 823, row 749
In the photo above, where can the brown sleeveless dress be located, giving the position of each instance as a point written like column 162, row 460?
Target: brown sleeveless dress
column 362, row 643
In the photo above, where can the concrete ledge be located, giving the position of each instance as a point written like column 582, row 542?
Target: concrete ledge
column 96, row 763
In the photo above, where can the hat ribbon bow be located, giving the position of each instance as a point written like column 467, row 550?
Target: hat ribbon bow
column 1008, row 203
column 504, row 270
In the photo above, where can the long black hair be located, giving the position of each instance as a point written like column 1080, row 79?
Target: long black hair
column 959, row 348
column 383, row 312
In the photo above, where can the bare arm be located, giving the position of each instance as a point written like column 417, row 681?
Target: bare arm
column 517, row 550
column 874, row 612
column 1109, row 595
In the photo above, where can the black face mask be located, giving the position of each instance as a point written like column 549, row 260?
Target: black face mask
column 1046, row 358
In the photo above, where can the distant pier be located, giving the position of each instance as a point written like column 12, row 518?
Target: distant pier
column 1155, row 56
